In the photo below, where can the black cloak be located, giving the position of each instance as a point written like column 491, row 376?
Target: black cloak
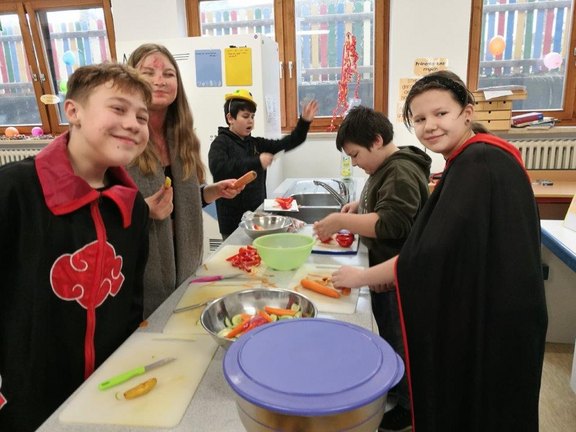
column 471, row 294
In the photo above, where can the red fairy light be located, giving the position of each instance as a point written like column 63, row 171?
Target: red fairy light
column 349, row 69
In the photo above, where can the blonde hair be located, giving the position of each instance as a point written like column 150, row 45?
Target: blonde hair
column 179, row 124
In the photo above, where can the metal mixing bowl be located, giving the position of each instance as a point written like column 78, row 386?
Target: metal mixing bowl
column 250, row 301
column 259, row 225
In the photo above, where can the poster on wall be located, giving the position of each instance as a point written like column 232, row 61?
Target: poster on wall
column 238, row 65
column 208, row 64
column 425, row 65
column 570, row 219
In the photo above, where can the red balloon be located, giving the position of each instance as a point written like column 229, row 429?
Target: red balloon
column 496, row 45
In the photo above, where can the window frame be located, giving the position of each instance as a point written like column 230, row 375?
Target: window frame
column 35, row 53
column 285, row 33
column 567, row 115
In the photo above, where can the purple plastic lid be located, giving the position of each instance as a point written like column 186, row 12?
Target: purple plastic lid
column 311, row 366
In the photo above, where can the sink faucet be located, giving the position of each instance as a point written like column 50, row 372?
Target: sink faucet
column 341, row 197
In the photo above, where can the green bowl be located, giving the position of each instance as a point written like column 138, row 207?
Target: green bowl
column 284, row 251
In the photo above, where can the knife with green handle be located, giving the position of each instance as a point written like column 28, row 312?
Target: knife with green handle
column 123, row 377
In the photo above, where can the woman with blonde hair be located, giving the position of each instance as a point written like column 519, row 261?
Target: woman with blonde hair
column 176, row 231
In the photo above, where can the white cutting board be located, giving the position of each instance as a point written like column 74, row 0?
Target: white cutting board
column 342, row 305
column 331, row 248
column 188, row 322
column 165, row 405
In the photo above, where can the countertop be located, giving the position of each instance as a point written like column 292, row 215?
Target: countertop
column 560, row 240
column 213, row 407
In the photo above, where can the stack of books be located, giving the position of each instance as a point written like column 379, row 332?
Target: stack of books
column 532, row 120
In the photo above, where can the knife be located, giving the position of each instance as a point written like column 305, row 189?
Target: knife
column 216, row 278
column 123, row 377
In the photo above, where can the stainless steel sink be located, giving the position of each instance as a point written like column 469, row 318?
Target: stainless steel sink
column 315, row 199
column 313, row 214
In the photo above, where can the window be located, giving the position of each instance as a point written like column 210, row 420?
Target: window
column 529, row 43
column 311, row 35
column 41, row 43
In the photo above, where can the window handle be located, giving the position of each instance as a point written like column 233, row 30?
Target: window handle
column 281, row 70
column 290, row 66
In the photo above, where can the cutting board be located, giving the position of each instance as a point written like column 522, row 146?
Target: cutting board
column 216, row 263
column 332, row 248
column 188, row 322
column 165, row 405
column 342, row 305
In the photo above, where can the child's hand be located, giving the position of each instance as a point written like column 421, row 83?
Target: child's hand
column 221, row 189
column 310, row 110
column 161, row 203
column 346, row 276
column 327, row 226
column 351, row 207
column 266, row 159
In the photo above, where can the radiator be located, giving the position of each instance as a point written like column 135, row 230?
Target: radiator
column 547, row 154
column 16, row 152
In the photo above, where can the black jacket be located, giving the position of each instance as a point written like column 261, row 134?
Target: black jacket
column 72, row 260
column 231, row 156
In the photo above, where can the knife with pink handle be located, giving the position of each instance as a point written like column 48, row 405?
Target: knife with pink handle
column 216, row 278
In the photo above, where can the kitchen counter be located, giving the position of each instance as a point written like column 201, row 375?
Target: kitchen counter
column 213, row 406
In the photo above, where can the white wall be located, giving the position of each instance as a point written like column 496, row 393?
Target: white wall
column 140, row 19
column 439, row 29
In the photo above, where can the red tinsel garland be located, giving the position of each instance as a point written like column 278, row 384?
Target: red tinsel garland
column 349, row 69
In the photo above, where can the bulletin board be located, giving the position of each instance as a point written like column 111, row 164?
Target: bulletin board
column 238, row 66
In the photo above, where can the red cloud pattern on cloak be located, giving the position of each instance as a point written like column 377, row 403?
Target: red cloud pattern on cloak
column 74, row 276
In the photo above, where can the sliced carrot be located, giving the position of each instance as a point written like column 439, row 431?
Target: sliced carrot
column 279, row 311
column 265, row 315
column 243, row 325
column 319, row 288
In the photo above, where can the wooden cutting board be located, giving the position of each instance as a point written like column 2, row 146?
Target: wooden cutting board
column 165, row 405
column 216, row 264
column 188, row 322
column 343, row 305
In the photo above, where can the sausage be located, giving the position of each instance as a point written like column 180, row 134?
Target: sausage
column 245, row 179
column 141, row 389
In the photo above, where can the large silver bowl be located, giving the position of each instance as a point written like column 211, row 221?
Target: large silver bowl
column 259, row 225
column 250, row 301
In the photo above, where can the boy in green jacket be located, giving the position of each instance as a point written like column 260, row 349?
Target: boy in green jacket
column 394, row 194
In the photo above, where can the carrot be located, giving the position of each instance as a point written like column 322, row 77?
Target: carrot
column 245, row 179
column 243, row 325
column 279, row 311
column 319, row 288
column 265, row 315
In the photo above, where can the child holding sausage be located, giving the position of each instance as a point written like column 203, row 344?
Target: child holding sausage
column 235, row 151
column 71, row 284
column 394, row 194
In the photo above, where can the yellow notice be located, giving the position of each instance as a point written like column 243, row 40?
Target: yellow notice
column 425, row 65
column 238, row 65
column 405, row 86
column 399, row 111
column 570, row 219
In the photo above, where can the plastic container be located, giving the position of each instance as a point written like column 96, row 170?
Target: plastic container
column 313, row 375
column 284, row 251
column 345, row 166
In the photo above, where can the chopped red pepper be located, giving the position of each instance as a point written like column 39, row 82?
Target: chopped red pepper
column 345, row 239
column 284, row 203
column 246, row 258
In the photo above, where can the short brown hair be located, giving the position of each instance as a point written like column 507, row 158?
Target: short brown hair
column 86, row 78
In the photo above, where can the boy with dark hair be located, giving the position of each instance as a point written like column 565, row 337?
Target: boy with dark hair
column 235, row 151
column 394, row 194
column 71, row 284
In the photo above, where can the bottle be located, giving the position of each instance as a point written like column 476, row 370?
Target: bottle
column 345, row 166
